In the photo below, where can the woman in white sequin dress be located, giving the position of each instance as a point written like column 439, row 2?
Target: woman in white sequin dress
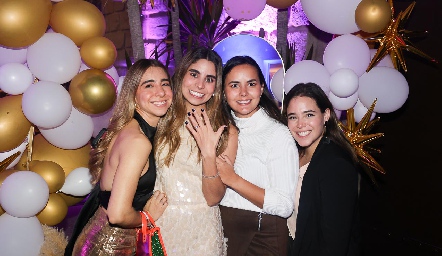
column 189, row 138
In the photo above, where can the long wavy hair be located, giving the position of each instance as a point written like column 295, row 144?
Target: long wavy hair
column 267, row 102
column 123, row 113
column 332, row 131
column 169, row 126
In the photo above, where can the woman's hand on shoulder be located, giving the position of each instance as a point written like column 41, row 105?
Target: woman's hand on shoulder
column 156, row 204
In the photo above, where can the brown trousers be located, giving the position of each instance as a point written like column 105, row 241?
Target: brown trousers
column 244, row 238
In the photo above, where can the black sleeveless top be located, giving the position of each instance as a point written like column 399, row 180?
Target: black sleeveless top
column 146, row 182
column 97, row 197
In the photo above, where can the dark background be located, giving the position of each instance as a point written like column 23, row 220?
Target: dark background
column 403, row 215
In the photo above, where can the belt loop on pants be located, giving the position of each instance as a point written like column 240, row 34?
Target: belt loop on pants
column 259, row 220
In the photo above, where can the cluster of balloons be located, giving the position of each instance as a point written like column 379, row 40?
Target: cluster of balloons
column 47, row 47
column 344, row 79
column 22, row 195
column 344, row 76
column 348, row 16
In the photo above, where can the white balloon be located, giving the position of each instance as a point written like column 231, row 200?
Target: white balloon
column 120, row 83
column 21, row 148
column 338, row 113
column 384, row 62
column 112, row 71
column 306, row 71
column 277, row 85
column 101, row 121
column 54, row 57
column 359, row 111
column 24, row 194
column 347, row 51
column 244, row 9
column 72, row 134
column 387, row 85
column 343, row 103
column 78, row 182
column 332, row 16
column 344, row 82
column 46, row 104
column 20, row 236
column 15, row 78
column 8, row 55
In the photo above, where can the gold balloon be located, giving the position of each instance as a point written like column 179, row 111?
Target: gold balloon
column 92, row 91
column 98, row 52
column 55, row 211
column 77, row 19
column 68, row 159
column 281, row 4
column 51, row 172
column 14, row 126
column 71, row 200
column 23, row 22
column 372, row 15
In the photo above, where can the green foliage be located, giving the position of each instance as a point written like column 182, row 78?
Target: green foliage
column 200, row 25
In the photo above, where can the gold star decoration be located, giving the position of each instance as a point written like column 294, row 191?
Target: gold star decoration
column 394, row 39
column 359, row 137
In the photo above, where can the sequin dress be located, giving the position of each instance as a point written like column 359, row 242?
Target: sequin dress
column 188, row 225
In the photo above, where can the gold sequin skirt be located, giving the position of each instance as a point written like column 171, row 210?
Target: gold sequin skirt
column 99, row 238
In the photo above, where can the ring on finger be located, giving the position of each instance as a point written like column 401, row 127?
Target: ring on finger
column 196, row 126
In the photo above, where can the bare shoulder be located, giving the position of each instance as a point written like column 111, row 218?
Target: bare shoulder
column 131, row 138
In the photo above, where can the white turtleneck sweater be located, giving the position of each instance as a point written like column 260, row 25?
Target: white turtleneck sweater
column 267, row 157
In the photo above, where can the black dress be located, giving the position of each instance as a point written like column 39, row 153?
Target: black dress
column 97, row 197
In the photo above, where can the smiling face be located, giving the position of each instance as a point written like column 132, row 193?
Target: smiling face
column 154, row 95
column 306, row 122
column 199, row 84
column 243, row 90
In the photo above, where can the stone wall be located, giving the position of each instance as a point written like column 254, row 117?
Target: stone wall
column 117, row 28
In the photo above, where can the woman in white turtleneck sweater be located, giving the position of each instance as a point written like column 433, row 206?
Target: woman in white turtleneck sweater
column 261, row 184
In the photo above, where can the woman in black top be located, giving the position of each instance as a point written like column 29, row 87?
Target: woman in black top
column 123, row 166
column 327, row 215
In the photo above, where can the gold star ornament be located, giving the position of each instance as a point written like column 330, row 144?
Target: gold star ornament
column 359, row 137
column 394, row 39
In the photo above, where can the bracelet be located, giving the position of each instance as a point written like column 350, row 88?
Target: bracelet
column 148, row 222
column 211, row 177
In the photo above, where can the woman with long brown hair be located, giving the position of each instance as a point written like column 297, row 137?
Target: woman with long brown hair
column 192, row 134
column 123, row 166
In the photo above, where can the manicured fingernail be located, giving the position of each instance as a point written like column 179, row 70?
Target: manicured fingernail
column 185, row 122
column 193, row 110
column 188, row 113
column 202, row 110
